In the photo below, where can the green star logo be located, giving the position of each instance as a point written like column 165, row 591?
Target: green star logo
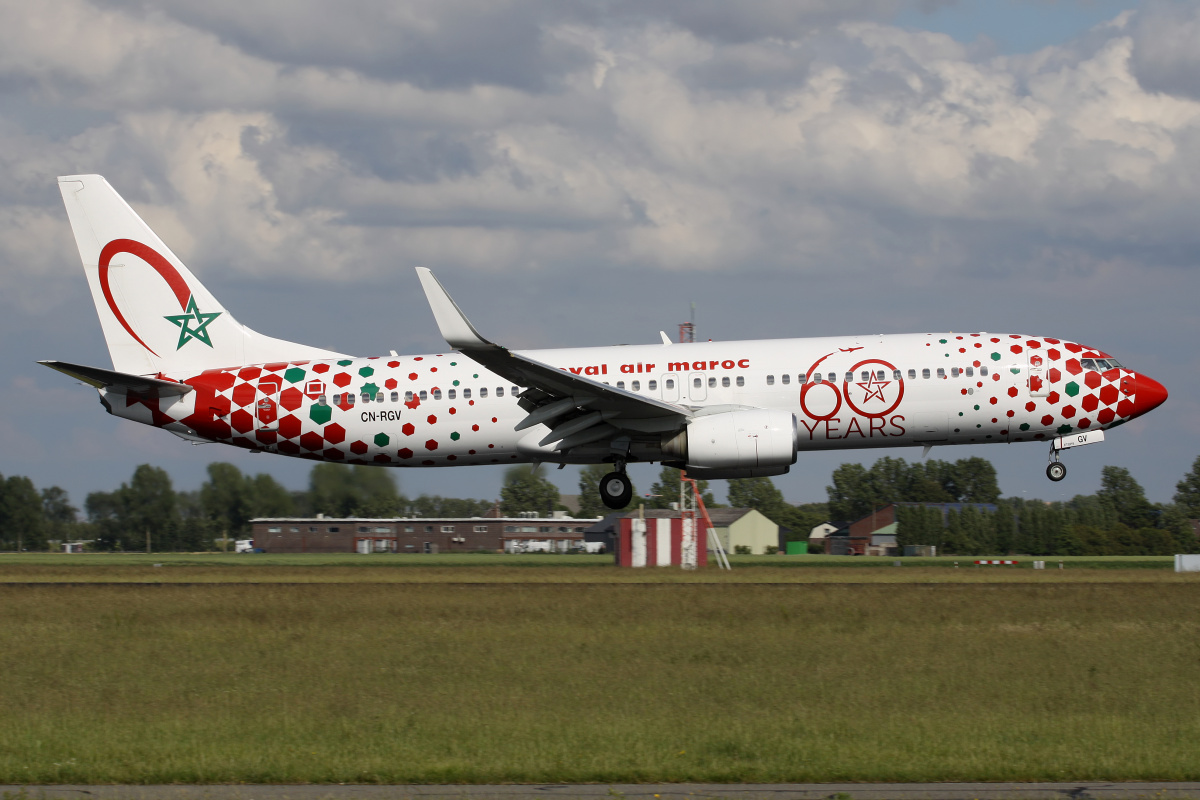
column 184, row 322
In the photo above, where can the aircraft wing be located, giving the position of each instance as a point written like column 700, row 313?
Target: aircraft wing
column 579, row 410
column 108, row 379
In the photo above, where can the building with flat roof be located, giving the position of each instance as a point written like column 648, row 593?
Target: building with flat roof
column 321, row 534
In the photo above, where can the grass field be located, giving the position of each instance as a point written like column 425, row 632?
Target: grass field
column 532, row 678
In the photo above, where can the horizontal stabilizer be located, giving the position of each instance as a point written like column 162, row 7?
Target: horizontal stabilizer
column 108, row 379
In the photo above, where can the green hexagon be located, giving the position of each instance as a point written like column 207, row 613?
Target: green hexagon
column 381, row 440
column 1071, row 388
column 976, row 408
column 942, row 341
column 1065, row 429
column 320, row 414
column 960, row 413
column 367, row 372
column 995, row 356
column 345, row 363
column 1024, row 426
column 454, row 436
column 1015, row 370
column 371, row 389
column 294, row 375
column 456, row 383
column 454, row 363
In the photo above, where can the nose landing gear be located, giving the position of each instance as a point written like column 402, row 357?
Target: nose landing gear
column 1056, row 470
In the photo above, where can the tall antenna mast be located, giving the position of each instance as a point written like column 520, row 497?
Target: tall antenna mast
column 687, row 330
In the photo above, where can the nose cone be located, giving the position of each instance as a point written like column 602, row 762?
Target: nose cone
column 1149, row 395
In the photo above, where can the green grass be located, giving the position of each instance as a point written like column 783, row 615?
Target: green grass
column 421, row 682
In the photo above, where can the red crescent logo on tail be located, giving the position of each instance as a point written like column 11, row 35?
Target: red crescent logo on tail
column 151, row 257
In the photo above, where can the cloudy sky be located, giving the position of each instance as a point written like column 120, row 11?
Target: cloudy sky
column 578, row 173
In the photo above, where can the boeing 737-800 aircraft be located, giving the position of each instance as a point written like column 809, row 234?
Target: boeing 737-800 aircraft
column 718, row 409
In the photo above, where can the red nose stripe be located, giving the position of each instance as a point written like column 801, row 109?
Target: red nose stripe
column 1149, row 396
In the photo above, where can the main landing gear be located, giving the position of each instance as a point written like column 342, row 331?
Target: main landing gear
column 616, row 490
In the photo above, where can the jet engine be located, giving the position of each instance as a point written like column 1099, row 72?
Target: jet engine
column 735, row 444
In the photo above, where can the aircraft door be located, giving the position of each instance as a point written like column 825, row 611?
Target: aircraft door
column 696, row 386
column 1037, row 376
column 267, row 407
column 670, row 387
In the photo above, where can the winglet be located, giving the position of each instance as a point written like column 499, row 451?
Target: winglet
column 456, row 329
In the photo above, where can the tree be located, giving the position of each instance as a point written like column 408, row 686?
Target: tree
column 973, row 480
column 339, row 490
column 590, row 504
column 149, row 509
column 59, row 516
column 1125, row 496
column 762, row 495
column 21, row 518
column 438, row 506
column 526, row 490
column 225, row 498
column 666, row 490
column 1187, row 492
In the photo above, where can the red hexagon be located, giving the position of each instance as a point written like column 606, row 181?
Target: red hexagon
column 1030, row 406
column 1054, row 354
column 383, row 458
column 1074, row 348
column 291, row 398
column 358, row 447
column 289, row 448
column 342, row 379
column 393, row 364
column 1125, row 408
column 1047, row 421
column 217, row 380
column 1010, row 413
column 290, row 427
column 407, row 429
column 241, row 421
column 1085, row 422
column 431, row 445
column 412, row 376
column 1073, row 366
column 333, row 454
column 1105, row 416
column 1053, row 398
column 1068, row 412
column 265, row 437
column 404, row 452
column 334, row 433
column 320, row 368
column 312, row 441
column 390, row 383
column 1090, row 403
column 243, row 395
column 1053, row 375
column 993, row 401
column 1016, row 348
column 249, row 373
column 431, row 419
column 1012, row 391
column 1109, row 394
column 1093, row 379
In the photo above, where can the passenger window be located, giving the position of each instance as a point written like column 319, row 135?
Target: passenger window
column 466, row 394
column 482, row 392
column 424, row 395
column 712, row 383
column 879, row 375
column 970, row 372
column 379, row 397
column 895, row 374
column 621, row 384
column 669, row 383
column 912, row 375
column 437, row 394
column 849, row 377
column 395, row 397
column 451, row 394
column 321, row 401
column 741, row 380
column 983, row 371
column 770, row 380
column 696, row 383
column 408, row 397
column 954, row 372
column 865, row 375
column 725, row 381
column 786, row 379
column 516, row 390
column 499, row 391
column 636, row 386
column 366, row 398
column 652, row 385
column 941, row 372
column 925, row 372
column 802, row 378
column 349, row 399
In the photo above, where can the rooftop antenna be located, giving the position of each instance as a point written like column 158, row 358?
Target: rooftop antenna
column 687, row 330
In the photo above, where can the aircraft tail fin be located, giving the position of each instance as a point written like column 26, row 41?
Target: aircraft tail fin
column 156, row 316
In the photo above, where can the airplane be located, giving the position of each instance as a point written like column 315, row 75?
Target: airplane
column 735, row 409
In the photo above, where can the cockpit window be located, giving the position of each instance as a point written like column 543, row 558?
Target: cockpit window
column 1099, row 364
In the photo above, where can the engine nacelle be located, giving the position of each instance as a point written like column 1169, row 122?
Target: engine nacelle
column 736, row 440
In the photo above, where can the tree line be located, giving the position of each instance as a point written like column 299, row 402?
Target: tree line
column 146, row 512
